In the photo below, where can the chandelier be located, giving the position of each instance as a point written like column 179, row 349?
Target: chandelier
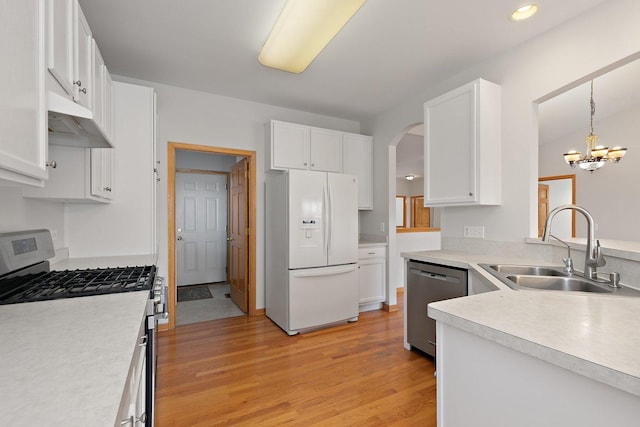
column 596, row 155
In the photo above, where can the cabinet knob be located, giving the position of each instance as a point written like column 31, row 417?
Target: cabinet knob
column 305, row 163
column 78, row 83
column 52, row 164
column 83, row 90
column 313, row 164
column 471, row 194
column 108, row 189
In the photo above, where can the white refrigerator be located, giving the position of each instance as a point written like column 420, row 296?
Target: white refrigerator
column 311, row 249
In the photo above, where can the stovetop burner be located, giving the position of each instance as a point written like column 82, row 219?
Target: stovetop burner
column 76, row 283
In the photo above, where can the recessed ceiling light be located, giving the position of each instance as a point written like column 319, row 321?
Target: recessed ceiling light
column 524, row 12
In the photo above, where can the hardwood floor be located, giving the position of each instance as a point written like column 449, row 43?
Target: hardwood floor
column 247, row 371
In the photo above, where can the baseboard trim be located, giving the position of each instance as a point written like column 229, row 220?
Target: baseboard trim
column 391, row 308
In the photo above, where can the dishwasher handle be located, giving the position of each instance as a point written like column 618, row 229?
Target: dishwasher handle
column 435, row 276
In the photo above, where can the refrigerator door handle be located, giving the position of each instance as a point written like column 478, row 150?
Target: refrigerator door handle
column 315, row 272
column 329, row 217
column 325, row 215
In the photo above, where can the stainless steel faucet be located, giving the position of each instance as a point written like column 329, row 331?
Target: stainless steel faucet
column 593, row 257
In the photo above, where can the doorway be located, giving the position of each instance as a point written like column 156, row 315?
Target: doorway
column 238, row 260
column 554, row 191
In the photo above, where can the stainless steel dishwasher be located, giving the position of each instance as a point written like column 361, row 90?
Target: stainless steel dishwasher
column 427, row 283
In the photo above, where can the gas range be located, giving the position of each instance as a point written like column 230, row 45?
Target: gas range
column 45, row 286
column 25, row 275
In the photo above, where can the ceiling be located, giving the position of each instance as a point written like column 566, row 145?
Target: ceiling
column 385, row 50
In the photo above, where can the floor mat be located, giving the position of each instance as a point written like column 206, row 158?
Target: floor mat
column 192, row 293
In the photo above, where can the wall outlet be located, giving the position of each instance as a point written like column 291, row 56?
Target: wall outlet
column 382, row 227
column 474, row 231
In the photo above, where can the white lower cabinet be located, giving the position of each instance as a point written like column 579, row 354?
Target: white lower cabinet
column 371, row 277
column 80, row 175
column 132, row 412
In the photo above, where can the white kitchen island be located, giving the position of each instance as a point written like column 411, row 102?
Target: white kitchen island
column 535, row 358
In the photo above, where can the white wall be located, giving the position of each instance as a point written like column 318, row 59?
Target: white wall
column 609, row 194
column 18, row 213
column 204, row 161
column 535, row 70
column 205, row 119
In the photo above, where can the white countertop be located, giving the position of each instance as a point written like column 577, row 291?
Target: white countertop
column 65, row 362
column 104, row 262
column 593, row 335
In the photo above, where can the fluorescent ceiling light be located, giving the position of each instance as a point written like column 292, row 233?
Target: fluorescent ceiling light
column 524, row 12
column 302, row 30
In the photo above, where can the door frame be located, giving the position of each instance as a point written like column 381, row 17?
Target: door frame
column 172, row 147
column 572, row 177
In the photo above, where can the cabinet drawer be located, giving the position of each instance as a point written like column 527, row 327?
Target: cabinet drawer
column 372, row 252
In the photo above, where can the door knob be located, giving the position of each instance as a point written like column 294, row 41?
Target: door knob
column 229, row 239
column 179, row 237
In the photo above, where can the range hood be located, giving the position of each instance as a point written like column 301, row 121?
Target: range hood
column 72, row 124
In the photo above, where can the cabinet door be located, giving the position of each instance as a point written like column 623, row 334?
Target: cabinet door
column 289, row 146
column 107, row 112
column 450, row 152
column 83, row 59
column 101, row 172
column 371, row 278
column 325, row 150
column 357, row 160
column 462, row 146
column 97, row 74
column 23, row 138
column 60, row 42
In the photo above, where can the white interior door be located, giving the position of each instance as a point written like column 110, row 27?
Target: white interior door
column 201, row 222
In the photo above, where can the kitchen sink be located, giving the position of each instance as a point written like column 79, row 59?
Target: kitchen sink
column 555, row 283
column 550, row 278
column 529, row 270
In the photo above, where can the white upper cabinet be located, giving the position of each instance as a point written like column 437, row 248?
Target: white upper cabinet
column 83, row 59
column 78, row 82
column 81, row 175
column 289, row 146
column 294, row 146
column 23, row 122
column 60, row 43
column 102, row 173
column 97, row 78
column 69, row 44
column 357, row 159
column 325, row 150
column 107, row 104
column 462, row 146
